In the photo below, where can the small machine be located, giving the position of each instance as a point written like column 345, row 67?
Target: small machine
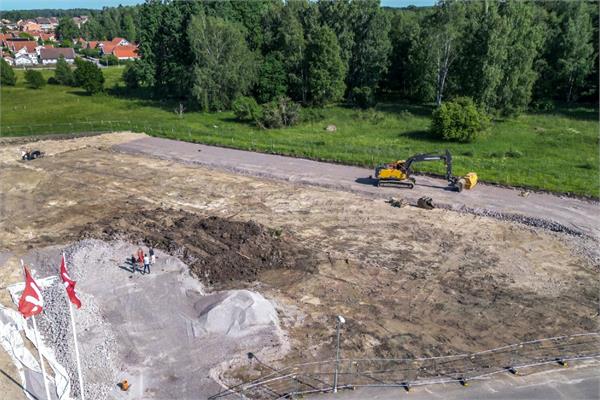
column 31, row 154
column 399, row 173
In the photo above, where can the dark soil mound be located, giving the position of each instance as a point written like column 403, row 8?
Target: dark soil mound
column 218, row 251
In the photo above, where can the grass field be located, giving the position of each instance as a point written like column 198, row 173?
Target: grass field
column 554, row 151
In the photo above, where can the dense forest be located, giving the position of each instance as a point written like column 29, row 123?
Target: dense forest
column 506, row 56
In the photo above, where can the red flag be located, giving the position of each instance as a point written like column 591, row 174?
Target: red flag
column 69, row 283
column 31, row 301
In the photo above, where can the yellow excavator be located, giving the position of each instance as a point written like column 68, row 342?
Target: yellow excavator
column 399, row 173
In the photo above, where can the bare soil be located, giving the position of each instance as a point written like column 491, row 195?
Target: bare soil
column 408, row 281
column 220, row 252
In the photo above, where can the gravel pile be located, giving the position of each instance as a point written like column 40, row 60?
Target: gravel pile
column 98, row 364
column 523, row 219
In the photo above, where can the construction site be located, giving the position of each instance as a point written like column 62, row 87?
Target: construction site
column 258, row 256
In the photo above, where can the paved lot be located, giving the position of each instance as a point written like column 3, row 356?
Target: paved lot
column 576, row 214
column 581, row 383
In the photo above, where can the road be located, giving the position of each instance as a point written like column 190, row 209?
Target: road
column 574, row 214
column 581, row 383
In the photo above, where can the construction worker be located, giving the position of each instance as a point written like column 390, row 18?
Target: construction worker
column 146, row 264
column 152, row 256
column 140, row 257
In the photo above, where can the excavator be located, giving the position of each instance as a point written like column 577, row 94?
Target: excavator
column 399, row 173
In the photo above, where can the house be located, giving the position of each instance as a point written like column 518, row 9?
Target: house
column 107, row 46
column 48, row 36
column 8, row 58
column 127, row 52
column 28, row 25
column 92, row 44
column 23, row 58
column 80, row 20
column 16, row 45
column 50, row 55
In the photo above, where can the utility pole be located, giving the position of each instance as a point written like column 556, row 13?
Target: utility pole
column 340, row 321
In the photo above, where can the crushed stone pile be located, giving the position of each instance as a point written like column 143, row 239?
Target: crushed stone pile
column 98, row 363
column 235, row 313
column 219, row 251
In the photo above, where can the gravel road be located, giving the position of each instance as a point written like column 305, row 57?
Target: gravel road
column 559, row 213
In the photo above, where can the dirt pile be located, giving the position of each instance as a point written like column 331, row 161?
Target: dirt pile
column 219, row 251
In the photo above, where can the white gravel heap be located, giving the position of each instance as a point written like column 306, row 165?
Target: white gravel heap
column 235, row 313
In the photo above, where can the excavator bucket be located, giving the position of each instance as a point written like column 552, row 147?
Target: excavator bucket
column 467, row 182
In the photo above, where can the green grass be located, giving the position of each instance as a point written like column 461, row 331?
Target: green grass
column 552, row 151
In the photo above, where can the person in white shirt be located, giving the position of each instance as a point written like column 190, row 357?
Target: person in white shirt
column 146, row 264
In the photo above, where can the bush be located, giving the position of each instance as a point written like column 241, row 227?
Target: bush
column 109, row 59
column 53, row 81
column 279, row 113
column 542, row 105
column 362, row 97
column 131, row 76
column 7, row 75
column 459, row 120
column 88, row 76
column 34, row 79
column 312, row 114
column 63, row 74
column 246, row 109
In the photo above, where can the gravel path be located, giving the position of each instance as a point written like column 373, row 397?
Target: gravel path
column 557, row 213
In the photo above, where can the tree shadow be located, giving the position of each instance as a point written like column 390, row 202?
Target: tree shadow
column 422, row 135
column 581, row 112
column 421, row 110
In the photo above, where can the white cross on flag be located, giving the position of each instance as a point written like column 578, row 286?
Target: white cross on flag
column 69, row 283
column 31, row 302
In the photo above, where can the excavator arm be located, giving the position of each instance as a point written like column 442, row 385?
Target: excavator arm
column 446, row 157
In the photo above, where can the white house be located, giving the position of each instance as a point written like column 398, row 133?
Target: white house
column 50, row 55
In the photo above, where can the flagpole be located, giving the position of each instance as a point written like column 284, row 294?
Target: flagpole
column 38, row 344
column 75, row 339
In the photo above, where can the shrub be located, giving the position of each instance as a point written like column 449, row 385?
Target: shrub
column 88, row 76
column 246, row 109
column 543, row 105
column 513, row 154
column 34, row 79
column 362, row 97
column 63, row 74
column 52, row 81
column 109, row 59
column 131, row 76
column 7, row 75
column 279, row 113
column 459, row 120
column 312, row 114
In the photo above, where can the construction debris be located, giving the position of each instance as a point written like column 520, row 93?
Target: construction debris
column 394, row 202
column 425, row 203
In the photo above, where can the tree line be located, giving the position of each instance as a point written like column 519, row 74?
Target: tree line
column 503, row 55
column 506, row 56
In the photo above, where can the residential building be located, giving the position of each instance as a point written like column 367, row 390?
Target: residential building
column 50, row 55
column 28, row 25
column 127, row 52
column 80, row 20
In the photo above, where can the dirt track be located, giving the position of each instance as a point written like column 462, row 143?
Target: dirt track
column 575, row 214
column 409, row 281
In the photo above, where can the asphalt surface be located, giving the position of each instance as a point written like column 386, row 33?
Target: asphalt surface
column 575, row 214
column 581, row 383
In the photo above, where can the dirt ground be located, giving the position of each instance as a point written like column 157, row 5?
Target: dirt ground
column 408, row 281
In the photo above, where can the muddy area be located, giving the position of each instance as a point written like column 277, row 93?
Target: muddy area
column 219, row 251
